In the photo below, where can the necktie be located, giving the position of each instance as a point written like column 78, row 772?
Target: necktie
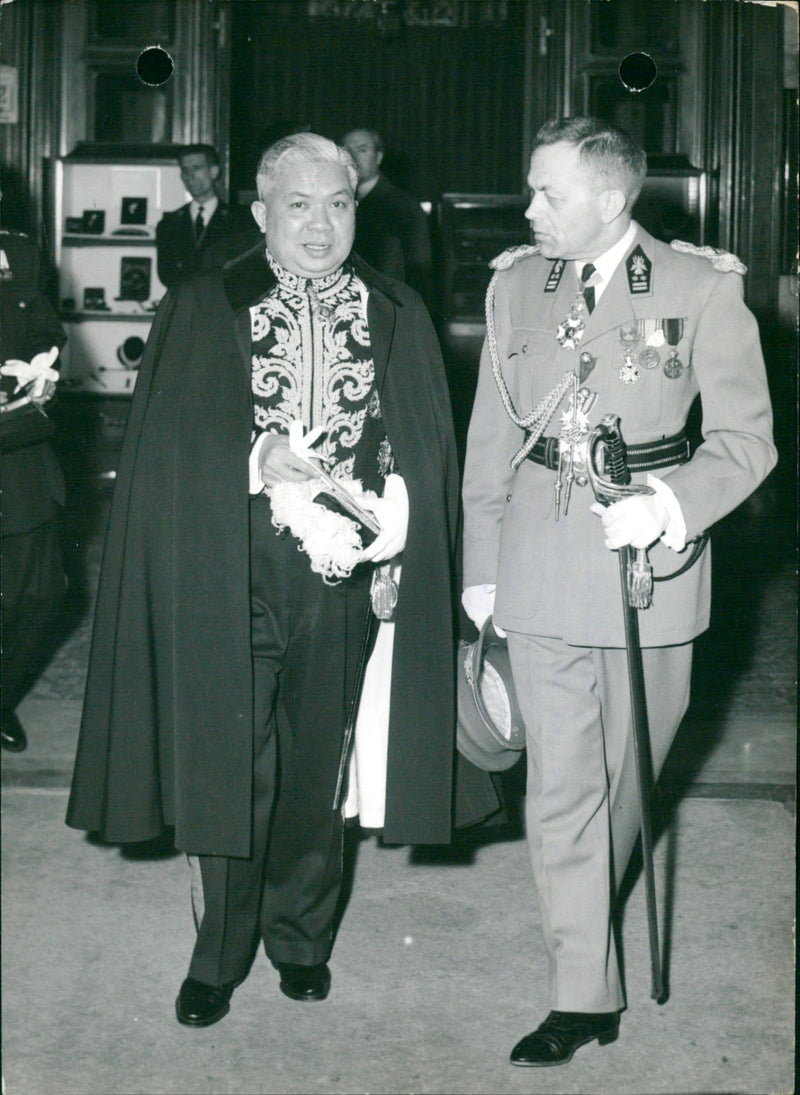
column 588, row 290
column 199, row 224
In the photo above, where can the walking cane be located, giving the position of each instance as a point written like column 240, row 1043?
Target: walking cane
column 613, row 484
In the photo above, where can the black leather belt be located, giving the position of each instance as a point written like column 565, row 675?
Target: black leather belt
column 645, row 457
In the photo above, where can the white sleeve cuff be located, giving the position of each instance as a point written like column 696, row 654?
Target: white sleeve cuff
column 674, row 535
column 256, row 483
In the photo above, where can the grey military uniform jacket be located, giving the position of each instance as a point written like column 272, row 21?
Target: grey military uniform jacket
column 556, row 578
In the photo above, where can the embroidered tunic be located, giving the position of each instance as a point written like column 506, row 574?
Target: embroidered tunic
column 312, row 361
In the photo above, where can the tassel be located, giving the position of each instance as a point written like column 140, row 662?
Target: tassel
column 640, row 580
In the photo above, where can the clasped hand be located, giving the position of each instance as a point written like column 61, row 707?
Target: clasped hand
column 293, row 459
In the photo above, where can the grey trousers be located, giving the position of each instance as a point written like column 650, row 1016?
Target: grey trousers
column 582, row 809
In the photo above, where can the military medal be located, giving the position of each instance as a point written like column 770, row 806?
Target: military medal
column 574, row 428
column 628, row 335
column 650, row 331
column 673, row 331
column 628, row 373
column 673, row 366
column 570, row 330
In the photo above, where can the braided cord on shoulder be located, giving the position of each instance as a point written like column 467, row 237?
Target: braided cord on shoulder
column 535, row 422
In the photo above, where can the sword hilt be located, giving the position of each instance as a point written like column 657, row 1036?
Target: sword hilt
column 605, row 464
column 610, row 485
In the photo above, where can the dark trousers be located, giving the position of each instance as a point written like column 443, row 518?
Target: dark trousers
column 33, row 589
column 306, row 638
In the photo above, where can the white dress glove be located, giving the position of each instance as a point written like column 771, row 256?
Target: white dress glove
column 392, row 514
column 478, row 602
column 633, row 522
column 39, row 372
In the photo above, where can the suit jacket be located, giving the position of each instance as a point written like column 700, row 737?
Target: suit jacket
column 166, row 735
column 389, row 211
column 556, row 578
column 32, row 480
column 179, row 254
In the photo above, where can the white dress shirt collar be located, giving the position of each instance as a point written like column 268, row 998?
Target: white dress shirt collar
column 209, row 207
column 607, row 263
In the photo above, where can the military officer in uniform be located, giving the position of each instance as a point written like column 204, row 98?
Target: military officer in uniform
column 32, row 482
column 600, row 318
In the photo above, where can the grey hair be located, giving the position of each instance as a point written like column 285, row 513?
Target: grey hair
column 607, row 151
column 302, row 148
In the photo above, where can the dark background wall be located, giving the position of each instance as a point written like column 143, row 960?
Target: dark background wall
column 447, row 99
column 458, row 88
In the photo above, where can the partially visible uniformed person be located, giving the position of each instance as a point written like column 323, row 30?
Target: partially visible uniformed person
column 32, row 482
column 600, row 318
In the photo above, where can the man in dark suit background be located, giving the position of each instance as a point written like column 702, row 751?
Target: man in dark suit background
column 183, row 235
column 386, row 210
column 32, row 483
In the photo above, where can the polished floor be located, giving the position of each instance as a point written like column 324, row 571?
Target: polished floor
column 438, row 967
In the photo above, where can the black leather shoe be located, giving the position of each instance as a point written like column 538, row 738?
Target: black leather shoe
column 562, row 1032
column 200, row 1005
column 305, row 982
column 12, row 734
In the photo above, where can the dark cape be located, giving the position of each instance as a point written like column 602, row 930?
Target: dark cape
column 166, row 734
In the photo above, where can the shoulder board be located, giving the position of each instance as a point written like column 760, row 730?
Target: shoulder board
column 14, row 233
column 506, row 259
column 721, row 260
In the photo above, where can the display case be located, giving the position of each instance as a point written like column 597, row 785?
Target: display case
column 473, row 229
column 107, row 201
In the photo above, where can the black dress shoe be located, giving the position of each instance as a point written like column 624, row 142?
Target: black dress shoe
column 562, row 1032
column 12, row 734
column 305, row 982
column 200, row 1005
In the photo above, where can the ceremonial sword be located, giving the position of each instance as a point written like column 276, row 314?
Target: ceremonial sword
column 610, row 484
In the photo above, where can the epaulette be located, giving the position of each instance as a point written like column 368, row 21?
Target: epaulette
column 506, row 259
column 721, row 260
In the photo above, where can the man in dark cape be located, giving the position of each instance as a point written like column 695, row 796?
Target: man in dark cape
column 193, row 595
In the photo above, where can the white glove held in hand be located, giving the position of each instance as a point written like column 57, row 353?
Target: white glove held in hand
column 39, row 370
column 392, row 514
column 635, row 522
column 275, row 458
column 478, row 602
column 300, row 443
